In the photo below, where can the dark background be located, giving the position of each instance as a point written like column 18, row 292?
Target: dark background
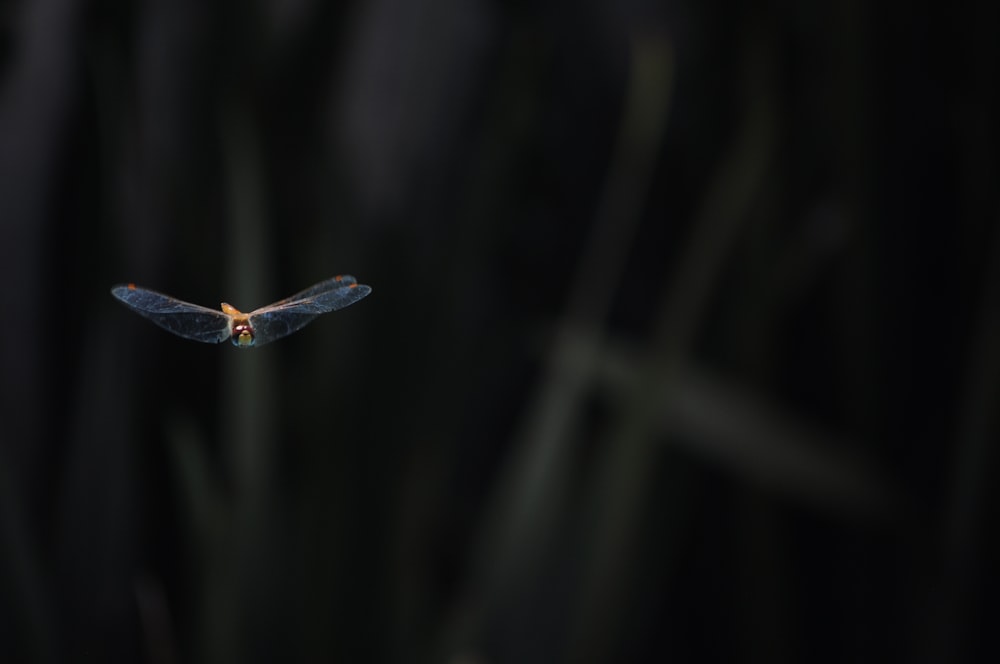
column 682, row 346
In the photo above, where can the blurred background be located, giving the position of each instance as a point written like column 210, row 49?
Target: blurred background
column 682, row 346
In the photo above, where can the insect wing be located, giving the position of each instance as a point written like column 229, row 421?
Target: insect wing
column 292, row 314
column 341, row 297
column 272, row 323
column 331, row 284
column 182, row 318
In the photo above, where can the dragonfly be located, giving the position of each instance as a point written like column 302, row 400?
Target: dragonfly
column 259, row 327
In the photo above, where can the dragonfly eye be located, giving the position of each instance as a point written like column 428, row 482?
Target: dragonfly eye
column 243, row 336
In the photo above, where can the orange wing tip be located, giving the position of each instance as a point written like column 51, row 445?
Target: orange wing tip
column 351, row 286
column 131, row 286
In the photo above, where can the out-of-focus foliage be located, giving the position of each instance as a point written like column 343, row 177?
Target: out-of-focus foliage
column 682, row 344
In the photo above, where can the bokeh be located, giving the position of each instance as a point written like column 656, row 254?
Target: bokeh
column 682, row 345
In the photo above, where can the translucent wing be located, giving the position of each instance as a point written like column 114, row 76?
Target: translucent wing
column 338, row 298
column 331, row 284
column 293, row 313
column 182, row 318
column 272, row 324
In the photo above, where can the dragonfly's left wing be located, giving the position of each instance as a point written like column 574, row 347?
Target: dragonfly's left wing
column 291, row 314
column 184, row 319
column 331, row 284
column 270, row 324
column 338, row 298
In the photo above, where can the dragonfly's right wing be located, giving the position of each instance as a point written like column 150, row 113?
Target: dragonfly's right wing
column 182, row 318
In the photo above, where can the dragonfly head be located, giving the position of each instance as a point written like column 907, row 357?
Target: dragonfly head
column 242, row 335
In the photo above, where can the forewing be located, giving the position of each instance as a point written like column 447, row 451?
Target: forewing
column 292, row 314
column 333, row 283
column 182, row 318
column 340, row 297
